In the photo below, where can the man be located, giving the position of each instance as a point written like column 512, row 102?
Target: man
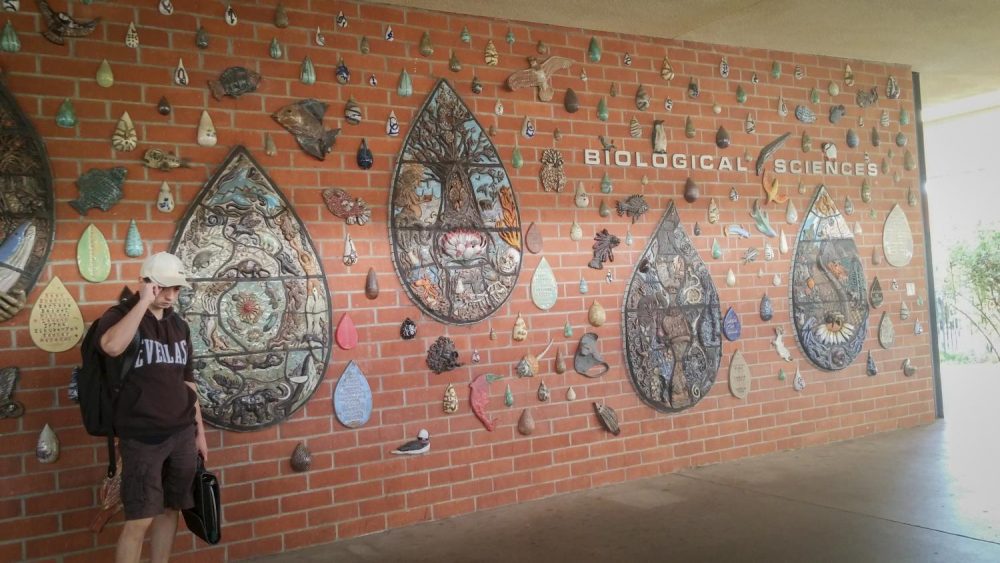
column 157, row 418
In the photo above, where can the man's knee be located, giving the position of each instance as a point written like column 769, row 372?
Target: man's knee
column 136, row 528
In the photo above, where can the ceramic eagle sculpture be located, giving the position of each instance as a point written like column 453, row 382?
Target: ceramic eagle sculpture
column 539, row 76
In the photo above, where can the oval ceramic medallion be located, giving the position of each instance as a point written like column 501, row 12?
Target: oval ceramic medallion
column 671, row 325
column 544, row 289
column 92, row 255
column 739, row 376
column 897, row 240
column 454, row 224
column 829, row 292
column 55, row 323
column 352, row 398
column 259, row 309
column 27, row 212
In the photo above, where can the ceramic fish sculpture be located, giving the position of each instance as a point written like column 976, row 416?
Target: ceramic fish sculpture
column 761, row 220
column 59, row 25
column 304, row 120
column 99, row 188
column 634, row 206
column 421, row 445
column 539, row 75
column 163, row 160
column 234, row 81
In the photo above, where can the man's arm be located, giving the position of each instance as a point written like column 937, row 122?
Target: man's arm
column 117, row 337
column 199, row 439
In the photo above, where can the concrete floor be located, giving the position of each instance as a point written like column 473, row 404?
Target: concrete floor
column 923, row 494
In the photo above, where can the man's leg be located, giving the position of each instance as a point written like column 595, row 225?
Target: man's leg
column 130, row 541
column 162, row 539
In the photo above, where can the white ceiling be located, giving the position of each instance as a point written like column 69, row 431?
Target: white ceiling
column 953, row 44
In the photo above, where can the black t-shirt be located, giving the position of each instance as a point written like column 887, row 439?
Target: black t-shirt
column 155, row 401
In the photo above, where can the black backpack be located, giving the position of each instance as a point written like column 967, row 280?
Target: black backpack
column 99, row 380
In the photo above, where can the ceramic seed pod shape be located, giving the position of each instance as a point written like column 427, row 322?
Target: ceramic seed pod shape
column 47, row 449
column 124, row 138
column 371, row 284
column 301, row 458
column 105, row 76
column 165, row 200
column 133, row 242
column 596, row 315
column 571, row 103
column 691, row 191
column 206, row 131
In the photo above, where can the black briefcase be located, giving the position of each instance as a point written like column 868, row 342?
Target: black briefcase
column 205, row 519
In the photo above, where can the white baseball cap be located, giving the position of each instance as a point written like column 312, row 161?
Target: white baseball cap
column 165, row 270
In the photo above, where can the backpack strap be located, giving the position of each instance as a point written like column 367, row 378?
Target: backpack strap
column 112, row 465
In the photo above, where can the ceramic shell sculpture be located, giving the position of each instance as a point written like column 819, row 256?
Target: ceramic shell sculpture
column 260, row 311
column 455, row 228
column 27, row 206
column 671, row 325
column 828, row 287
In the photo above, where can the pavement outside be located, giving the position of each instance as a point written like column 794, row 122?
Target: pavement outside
column 922, row 494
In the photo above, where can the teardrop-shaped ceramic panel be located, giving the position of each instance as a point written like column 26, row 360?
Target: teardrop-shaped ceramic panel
column 352, row 397
column 27, row 212
column 544, row 289
column 739, row 376
column 828, row 287
column 672, row 327
column 897, row 238
column 454, row 224
column 93, row 257
column 259, row 308
column 56, row 323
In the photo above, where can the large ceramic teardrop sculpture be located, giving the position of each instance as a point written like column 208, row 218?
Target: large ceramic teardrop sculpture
column 828, row 287
column 259, row 311
column 526, row 423
column 897, row 238
column 455, row 228
column 596, row 315
column 671, row 325
column 28, row 211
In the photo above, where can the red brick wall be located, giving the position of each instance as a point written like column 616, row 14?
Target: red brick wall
column 355, row 486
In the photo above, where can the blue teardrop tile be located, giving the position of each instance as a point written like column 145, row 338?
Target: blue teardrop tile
column 731, row 326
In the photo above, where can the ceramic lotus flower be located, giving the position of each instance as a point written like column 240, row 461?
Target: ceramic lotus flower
column 463, row 245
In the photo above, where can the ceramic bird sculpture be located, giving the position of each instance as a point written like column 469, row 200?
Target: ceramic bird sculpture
column 419, row 446
column 60, row 25
column 539, row 76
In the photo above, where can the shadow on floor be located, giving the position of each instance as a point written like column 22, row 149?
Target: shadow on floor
column 922, row 494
